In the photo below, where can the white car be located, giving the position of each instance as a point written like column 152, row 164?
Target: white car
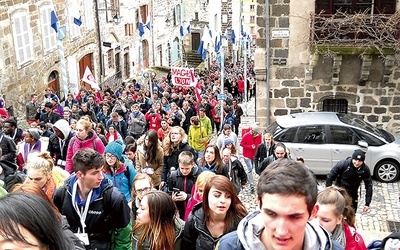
column 324, row 138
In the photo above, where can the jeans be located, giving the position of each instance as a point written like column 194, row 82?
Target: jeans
column 249, row 164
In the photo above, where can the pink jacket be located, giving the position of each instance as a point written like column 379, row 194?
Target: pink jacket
column 75, row 144
column 247, row 141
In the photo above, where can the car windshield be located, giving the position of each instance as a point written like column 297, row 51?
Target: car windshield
column 359, row 123
column 273, row 128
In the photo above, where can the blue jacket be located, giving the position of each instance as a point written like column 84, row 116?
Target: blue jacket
column 122, row 179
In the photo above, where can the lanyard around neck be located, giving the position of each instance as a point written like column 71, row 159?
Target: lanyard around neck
column 82, row 214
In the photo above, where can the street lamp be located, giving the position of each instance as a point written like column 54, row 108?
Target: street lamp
column 117, row 18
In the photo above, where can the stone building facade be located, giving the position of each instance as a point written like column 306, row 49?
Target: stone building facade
column 301, row 80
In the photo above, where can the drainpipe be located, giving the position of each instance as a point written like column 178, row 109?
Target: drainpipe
column 267, row 59
column 100, row 42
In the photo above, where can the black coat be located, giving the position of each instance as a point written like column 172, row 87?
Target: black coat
column 172, row 160
column 196, row 235
column 56, row 152
column 261, row 154
column 350, row 178
column 237, row 174
column 183, row 183
column 9, row 148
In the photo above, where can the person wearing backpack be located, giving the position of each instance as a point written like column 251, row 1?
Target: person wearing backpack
column 96, row 211
column 337, row 216
column 349, row 173
column 117, row 169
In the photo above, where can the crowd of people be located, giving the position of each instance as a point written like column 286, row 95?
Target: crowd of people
column 137, row 168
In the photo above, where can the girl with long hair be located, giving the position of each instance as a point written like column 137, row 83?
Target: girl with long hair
column 150, row 156
column 337, row 216
column 157, row 226
column 212, row 161
column 218, row 214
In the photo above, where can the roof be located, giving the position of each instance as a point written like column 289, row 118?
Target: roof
column 310, row 118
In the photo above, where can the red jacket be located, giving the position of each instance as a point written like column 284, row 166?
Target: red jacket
column 240, row 84
column 154, row 121
column 248, row 140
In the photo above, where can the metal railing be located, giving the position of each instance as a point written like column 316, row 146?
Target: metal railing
column 362, row 28
column 113, row 81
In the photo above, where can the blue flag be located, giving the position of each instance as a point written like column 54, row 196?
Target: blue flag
column 54, row 21
column 148, row 25
column 233, row 37
column 141, row 29
column 181, row 31
column 188, row 29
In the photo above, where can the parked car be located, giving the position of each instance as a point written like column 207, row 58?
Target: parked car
column 324, row 138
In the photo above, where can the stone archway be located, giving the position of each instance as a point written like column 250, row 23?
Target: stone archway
column 53, row 82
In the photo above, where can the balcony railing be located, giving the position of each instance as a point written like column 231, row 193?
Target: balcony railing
column 357, row 30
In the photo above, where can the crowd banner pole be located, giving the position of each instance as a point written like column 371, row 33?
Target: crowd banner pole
column 222, row 85
column 245, row 76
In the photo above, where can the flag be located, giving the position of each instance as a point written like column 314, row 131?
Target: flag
column 141, row 29
column 181, row 31
column 75, row 14
column 205, row 40
column 54, row 21
column 188, row 29
column 233, row 36
column 148, row 24
column 89, row 78
column 218, row 43
column 197, row 91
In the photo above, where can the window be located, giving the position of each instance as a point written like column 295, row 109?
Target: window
column 49, row 36
column 127, row 65
column 22, row 37
column 110, row 57
column 355, row 6
column 89, row 17
column 311, row 134
column 252, row 19
column 178, row 14
column 287, row 135
column 335, row 105
column 129, row 29
column 252, row 7
column 343, row 135
column 73, row 9
column 143, row 12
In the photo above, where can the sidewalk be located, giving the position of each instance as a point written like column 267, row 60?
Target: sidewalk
column 370, row 225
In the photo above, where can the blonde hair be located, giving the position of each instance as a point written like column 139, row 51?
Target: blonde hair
column 203, row 178
column 85, row 121
column 40, row 161
column 268, row 135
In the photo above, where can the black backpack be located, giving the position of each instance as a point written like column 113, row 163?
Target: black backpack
column 12, row 179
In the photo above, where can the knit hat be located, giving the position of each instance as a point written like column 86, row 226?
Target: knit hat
column 34, row 133
column 254, row 127
column 359, row 155
column 227, row 141
column 116, row 148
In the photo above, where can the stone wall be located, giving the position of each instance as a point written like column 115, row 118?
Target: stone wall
column 18, row 83
column 301, row 84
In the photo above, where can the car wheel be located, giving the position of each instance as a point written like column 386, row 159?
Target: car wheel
column 387, row 171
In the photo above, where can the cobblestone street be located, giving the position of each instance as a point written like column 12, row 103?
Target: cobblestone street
column 384, row 216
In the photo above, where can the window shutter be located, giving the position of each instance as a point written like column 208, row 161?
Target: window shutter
column 48, row 34
column 89, row 18
column 22, row 41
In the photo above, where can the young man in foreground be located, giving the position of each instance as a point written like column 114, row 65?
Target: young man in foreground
column 286, row 194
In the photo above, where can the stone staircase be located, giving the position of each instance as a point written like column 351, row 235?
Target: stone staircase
column 192, row 58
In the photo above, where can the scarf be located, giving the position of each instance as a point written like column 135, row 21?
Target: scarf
column 338, row 235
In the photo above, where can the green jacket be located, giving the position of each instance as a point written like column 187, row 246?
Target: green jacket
column 197, row 137
column 205, row 123
column 120, row 238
